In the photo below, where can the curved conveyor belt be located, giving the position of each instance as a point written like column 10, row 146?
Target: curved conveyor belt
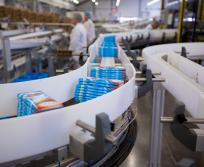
column 124, row 148
column 50, row 130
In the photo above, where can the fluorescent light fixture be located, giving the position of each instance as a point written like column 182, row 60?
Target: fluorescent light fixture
column 58, row 3
column 96, row 3
column 190, row 19
column 75, row 1
column 174, row 3
column 93, row 1
column 126, row 19
column 152, row 2
column 117, row 3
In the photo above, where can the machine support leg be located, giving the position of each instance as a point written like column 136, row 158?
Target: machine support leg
column 62, row 153
column 156, row 131
column 51, row 68
column 7, row 62
column 28, row 61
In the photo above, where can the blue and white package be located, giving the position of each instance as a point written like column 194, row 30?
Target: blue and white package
column 90, row 88
column 35, row 102
column 108, row 51
column 108, row 47
column 111, row 73
column 110, row 38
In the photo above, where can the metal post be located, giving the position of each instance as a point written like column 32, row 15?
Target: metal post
column 62, row 153
column 51, row 68
column 181, row 15
column 162, row 14
column 6, row 53
column 156, row 131
column 28, row 61
column 200, row 10
column 38, row 62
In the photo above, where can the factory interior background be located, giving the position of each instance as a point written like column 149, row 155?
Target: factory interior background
column 102, row 83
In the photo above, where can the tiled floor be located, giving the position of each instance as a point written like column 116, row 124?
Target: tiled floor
column 172, row 150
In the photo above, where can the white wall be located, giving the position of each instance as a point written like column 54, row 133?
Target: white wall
column 100, row 12
column 127, row 8
column 154, row 10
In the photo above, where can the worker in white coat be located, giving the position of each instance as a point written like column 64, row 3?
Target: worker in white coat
column 154, row 25
column 78, row 37
column 90, row 28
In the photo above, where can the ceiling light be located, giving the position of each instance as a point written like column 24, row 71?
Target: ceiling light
column 175, row 2
column 96, row 3
column 76, row 1
column 117, row 3
column 93, row 1
column 58, row 3
column 152, row 2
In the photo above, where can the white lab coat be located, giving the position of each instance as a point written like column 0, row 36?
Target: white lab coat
column 149, row 27
column 90, row 29
column 78, row 39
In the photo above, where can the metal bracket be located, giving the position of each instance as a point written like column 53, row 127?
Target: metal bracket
column 183, row 52
column 156, row 131
column 147, row 86
column 6, row 53
column 92, row 145
column 62, row 153
column 191, row 138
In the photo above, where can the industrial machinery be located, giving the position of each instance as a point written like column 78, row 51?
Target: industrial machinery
column 88, row 122
column 170, row 61
column 20, row 48
column 61, row 120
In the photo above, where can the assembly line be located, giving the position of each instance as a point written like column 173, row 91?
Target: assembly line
column 72, row 85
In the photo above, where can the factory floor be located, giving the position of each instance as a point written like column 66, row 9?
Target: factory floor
column 173, row 152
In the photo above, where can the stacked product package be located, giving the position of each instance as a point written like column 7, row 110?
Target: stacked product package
column 90, row 88
column 108, row 47
column 111, row 73
column 35, row 102
column 104, row 78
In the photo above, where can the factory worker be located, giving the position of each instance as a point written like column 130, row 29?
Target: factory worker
column 154, row 25
column 78, row 37
column 90, row 27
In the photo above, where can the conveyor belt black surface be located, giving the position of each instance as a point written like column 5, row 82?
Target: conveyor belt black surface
column 124, row 148
column 119, row 156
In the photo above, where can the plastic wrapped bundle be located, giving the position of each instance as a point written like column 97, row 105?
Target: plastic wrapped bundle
column 89, row 88
column 108, row 47
column 109, row 39
column 111, row 73
column 108, row 50
column 35, row 102
column 31, row 76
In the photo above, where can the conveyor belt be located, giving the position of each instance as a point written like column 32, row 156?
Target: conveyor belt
column 189, row 85
column 116, row 156
column 124, row 148
column 51, row 129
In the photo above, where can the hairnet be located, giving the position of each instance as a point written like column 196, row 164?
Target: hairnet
column 87, row 14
